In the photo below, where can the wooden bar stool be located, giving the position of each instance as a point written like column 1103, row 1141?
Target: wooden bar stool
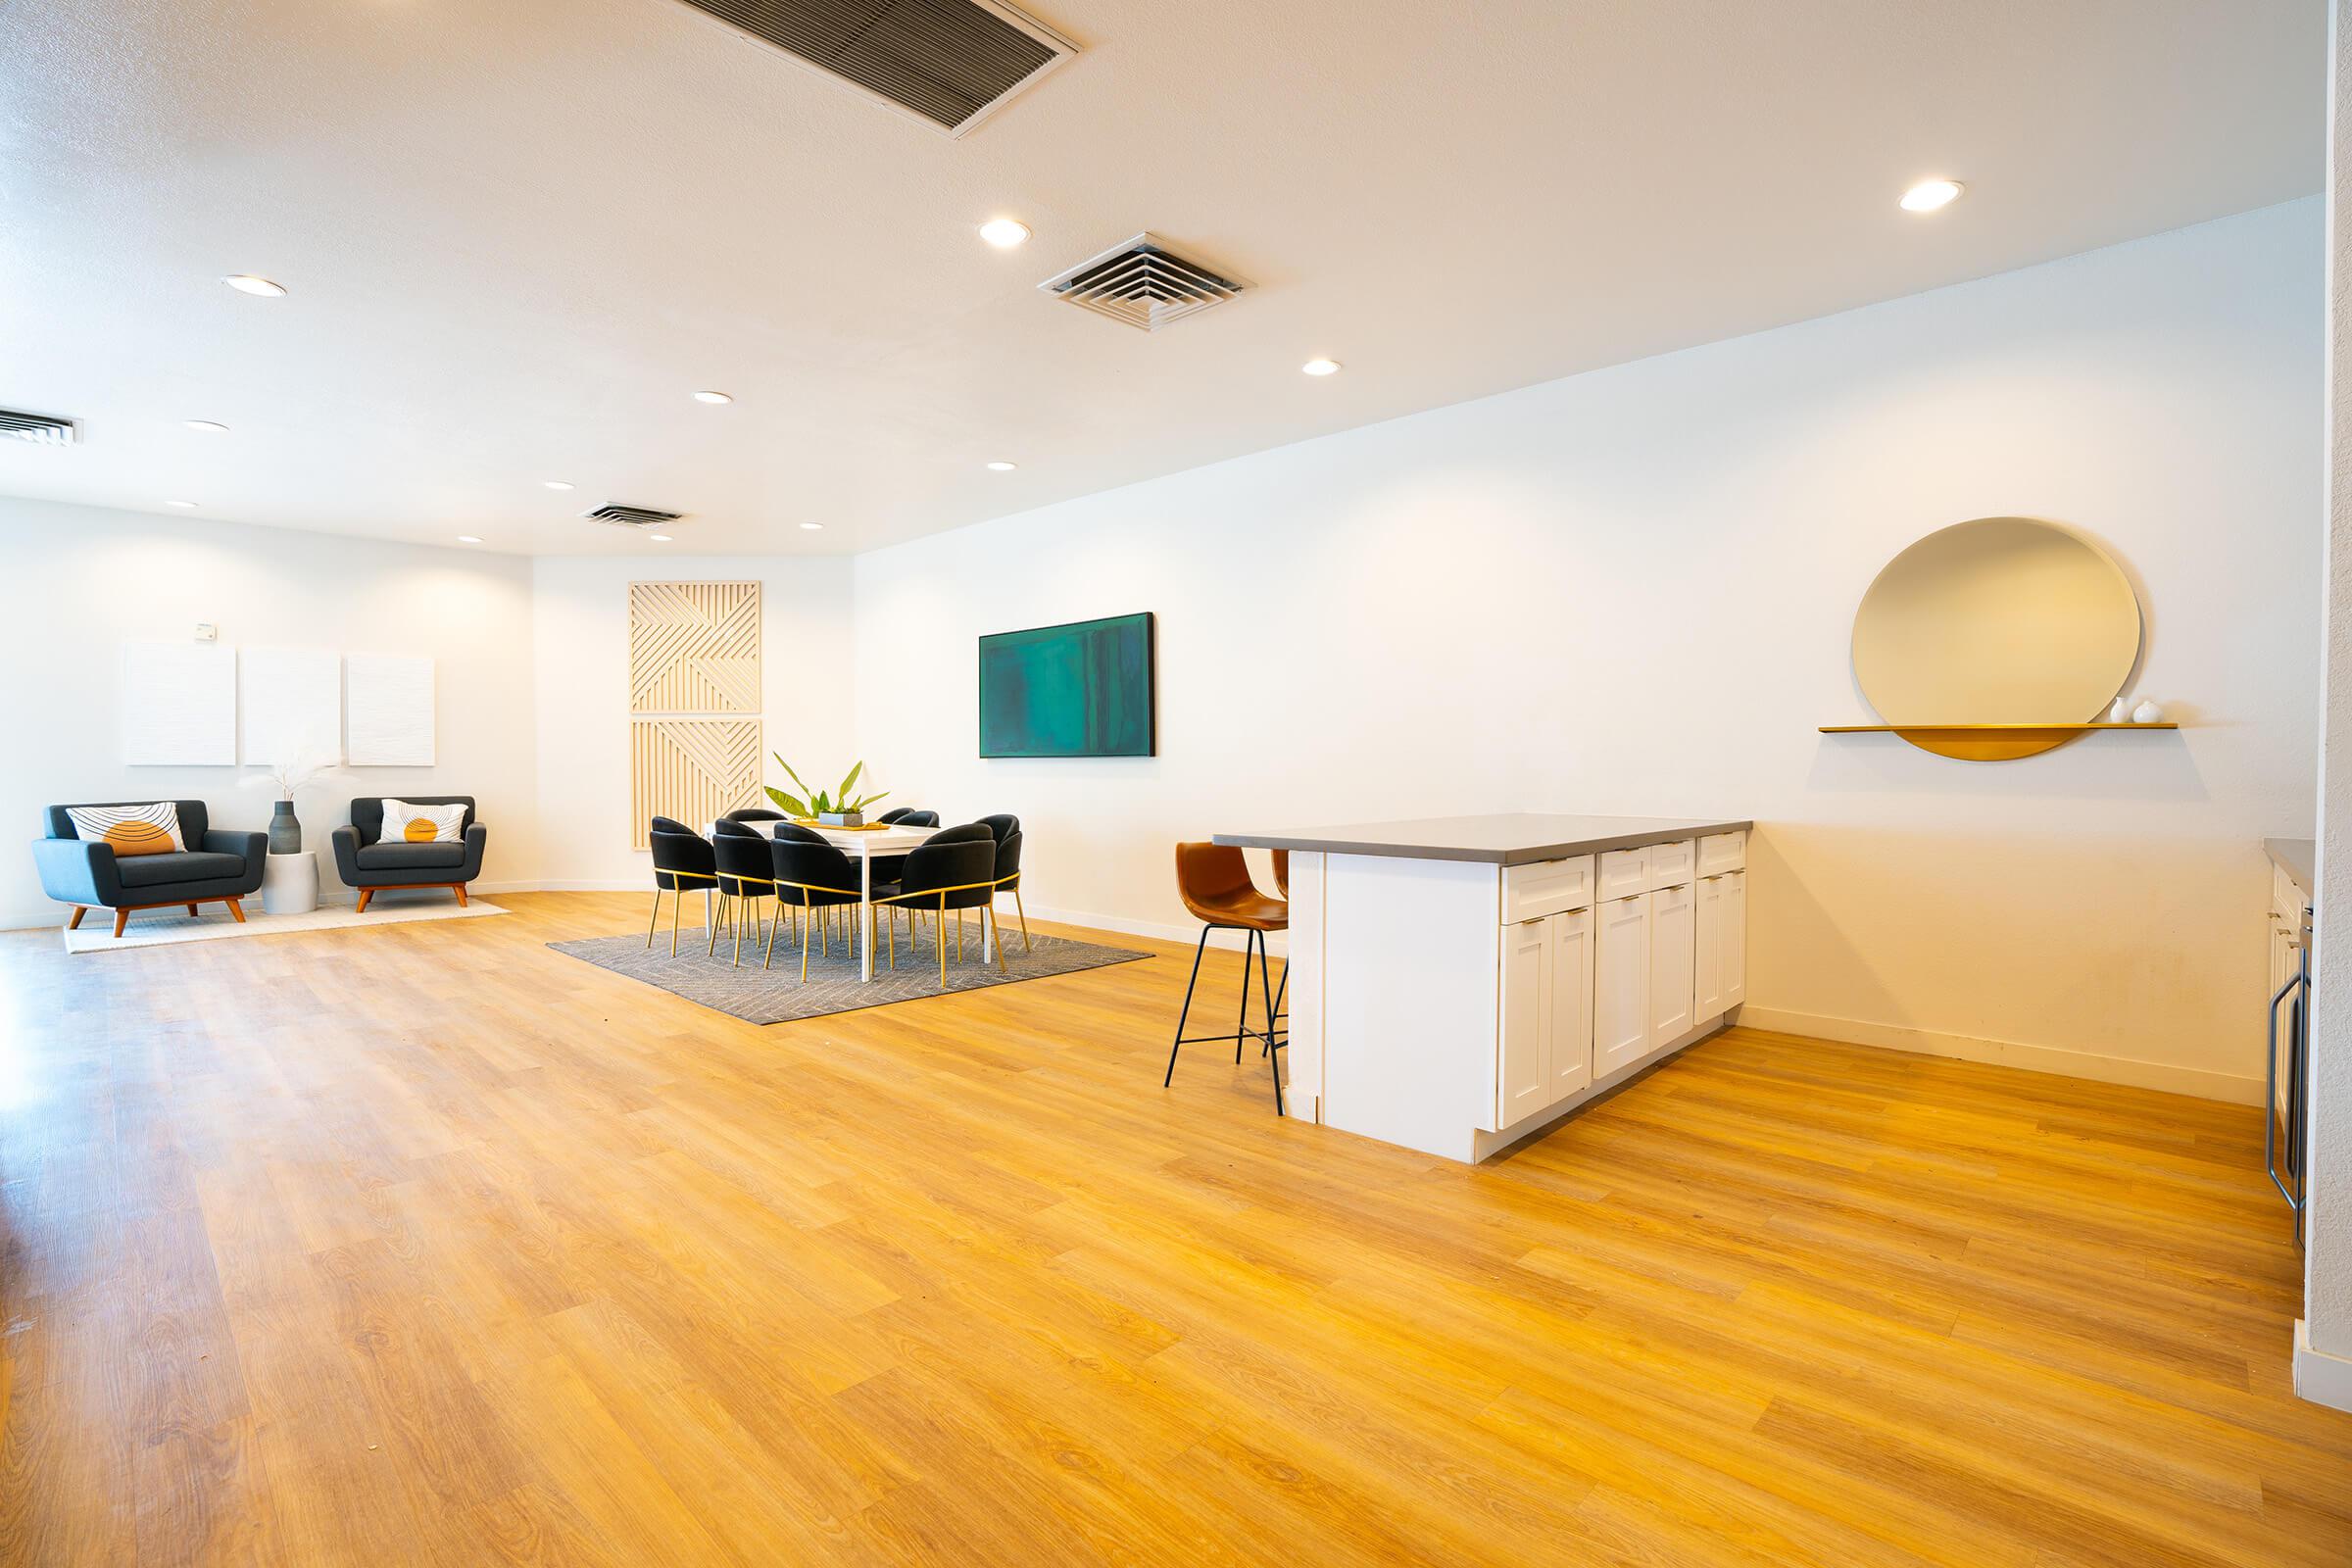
column 1213, row 880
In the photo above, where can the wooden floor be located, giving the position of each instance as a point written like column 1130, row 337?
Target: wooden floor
column 425, row 1245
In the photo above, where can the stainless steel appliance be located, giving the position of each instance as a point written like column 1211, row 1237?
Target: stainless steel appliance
column 2287, row 1098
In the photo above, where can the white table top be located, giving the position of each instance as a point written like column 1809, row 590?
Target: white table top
column 890, row 839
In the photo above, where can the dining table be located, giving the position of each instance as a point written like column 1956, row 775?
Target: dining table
column 862, row 844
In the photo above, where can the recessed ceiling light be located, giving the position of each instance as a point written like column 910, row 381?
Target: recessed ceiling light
column 556, row 484
column 247, row 283
column 208, row 426
column 1003, row 232
column 183, row 505
column 1321, row 366
column 713, row 397
column 469, row 539
column 658, row 538
column 1002, row 467
column 814, row 527
column 1931, row 194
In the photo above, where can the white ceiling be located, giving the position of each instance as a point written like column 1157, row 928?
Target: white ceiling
column 519, row 235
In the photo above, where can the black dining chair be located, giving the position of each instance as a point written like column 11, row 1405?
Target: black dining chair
column 752, row 814
column 810, row 877
column 888, row 868
column 683, row 862
column 954, row 868
column 1009, row 877
column 746, row 874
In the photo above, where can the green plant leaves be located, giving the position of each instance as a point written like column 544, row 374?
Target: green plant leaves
column 820, row 803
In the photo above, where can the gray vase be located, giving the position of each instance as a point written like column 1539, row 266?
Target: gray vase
column 285, row 833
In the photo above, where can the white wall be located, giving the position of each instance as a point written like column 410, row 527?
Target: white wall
column 1632, row 591
column 580, row 626
column 82, row 581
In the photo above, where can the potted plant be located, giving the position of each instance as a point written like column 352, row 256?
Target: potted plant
column 285, row 830
column 836, row 807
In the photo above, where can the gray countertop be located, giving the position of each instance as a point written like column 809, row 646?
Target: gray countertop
column 2295, row 857
column 1510, row 839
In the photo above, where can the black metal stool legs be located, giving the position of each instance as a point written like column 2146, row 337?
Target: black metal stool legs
column 1254, row 943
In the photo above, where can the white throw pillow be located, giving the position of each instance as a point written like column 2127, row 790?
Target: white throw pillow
column 423, row 825
column 151, row 829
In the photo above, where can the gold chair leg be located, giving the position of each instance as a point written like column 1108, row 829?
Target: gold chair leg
column 959, row 936
column 808, row 930
column 938, row 940
column 711, row 948
column 769, row 959
column 673, row 921
column 890, row 938
column 654, row 924
column 996, row 928
column 1024, row 915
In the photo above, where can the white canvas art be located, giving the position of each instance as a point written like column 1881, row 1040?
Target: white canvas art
column 290, row 704
column 179, row 704
column 388, row 711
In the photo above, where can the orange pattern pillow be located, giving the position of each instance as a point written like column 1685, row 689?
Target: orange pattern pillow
column 151, row 829
column 405, row 823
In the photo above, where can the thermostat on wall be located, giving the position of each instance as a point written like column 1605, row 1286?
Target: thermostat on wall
column 207, row 632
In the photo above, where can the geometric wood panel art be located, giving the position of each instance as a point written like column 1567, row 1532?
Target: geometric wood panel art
column 388, row 711
column 179, row 704
column 694, row 648
column 290, row 703
column 695, row 770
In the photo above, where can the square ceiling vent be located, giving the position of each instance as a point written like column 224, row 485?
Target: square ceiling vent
column 952, row 63
column 1145, row 283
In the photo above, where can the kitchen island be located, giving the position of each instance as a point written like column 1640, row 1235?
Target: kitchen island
column 1459, row 983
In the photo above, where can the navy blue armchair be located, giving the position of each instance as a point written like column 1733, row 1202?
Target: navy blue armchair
column 366, row 862
column 86, row 874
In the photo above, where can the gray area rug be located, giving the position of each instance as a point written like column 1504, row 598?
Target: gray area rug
column 777, row 995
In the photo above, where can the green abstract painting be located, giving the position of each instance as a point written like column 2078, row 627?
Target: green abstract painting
column 1080, row 690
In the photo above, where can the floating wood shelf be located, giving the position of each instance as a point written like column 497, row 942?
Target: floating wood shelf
column 1986, row 743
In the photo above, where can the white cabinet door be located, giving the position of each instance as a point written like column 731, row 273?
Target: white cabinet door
column 1672, row 943
column 1571, row 1029
column 1620, row 982
column 1523, row 1087
column 1706, row 969
column 1734, row 940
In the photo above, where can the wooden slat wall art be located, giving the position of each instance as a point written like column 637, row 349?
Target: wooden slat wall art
column 694, row 652
column 694, row 648
column 693, row 769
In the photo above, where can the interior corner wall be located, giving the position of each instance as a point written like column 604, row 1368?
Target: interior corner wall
column 580, row 627
column 82, row 581
column 1632, row 591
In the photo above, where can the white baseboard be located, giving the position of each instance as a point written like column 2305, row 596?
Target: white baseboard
column 1187, row 933
column 2200, row 1082
column 2321, row 1378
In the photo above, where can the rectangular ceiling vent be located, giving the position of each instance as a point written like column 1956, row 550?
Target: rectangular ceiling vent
column 41, row 429
column 1144, row 284
column 621, row 517
column 952, row 63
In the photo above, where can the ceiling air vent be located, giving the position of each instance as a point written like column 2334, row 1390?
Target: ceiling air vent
column 950, row 62
column 41, row 429
column 621, row 517
column 1144, row 283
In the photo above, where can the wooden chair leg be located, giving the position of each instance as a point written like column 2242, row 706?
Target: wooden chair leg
column 121, row 919
column 459, row 888
column 235, row 908
column 364, row 895
column 75, row 925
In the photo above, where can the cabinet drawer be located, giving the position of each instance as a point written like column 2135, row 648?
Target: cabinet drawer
column 1670, row 864
column 1546, row 887
column 1622, row 873
column 1719, row 852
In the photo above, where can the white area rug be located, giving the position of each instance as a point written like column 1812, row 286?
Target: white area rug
column 153, row 928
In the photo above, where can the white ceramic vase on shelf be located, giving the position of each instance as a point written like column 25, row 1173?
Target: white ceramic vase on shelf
column 2147, row 714
column 2120, row 711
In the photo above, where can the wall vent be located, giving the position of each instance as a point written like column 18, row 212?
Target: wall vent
column 621, row 517
column 952, row 63
column 41, row 429
column 1144, row 284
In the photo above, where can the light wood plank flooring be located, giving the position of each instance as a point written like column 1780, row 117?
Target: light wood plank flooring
column 425, row 1245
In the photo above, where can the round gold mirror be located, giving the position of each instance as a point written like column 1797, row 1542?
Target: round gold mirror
column 1999, row 623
